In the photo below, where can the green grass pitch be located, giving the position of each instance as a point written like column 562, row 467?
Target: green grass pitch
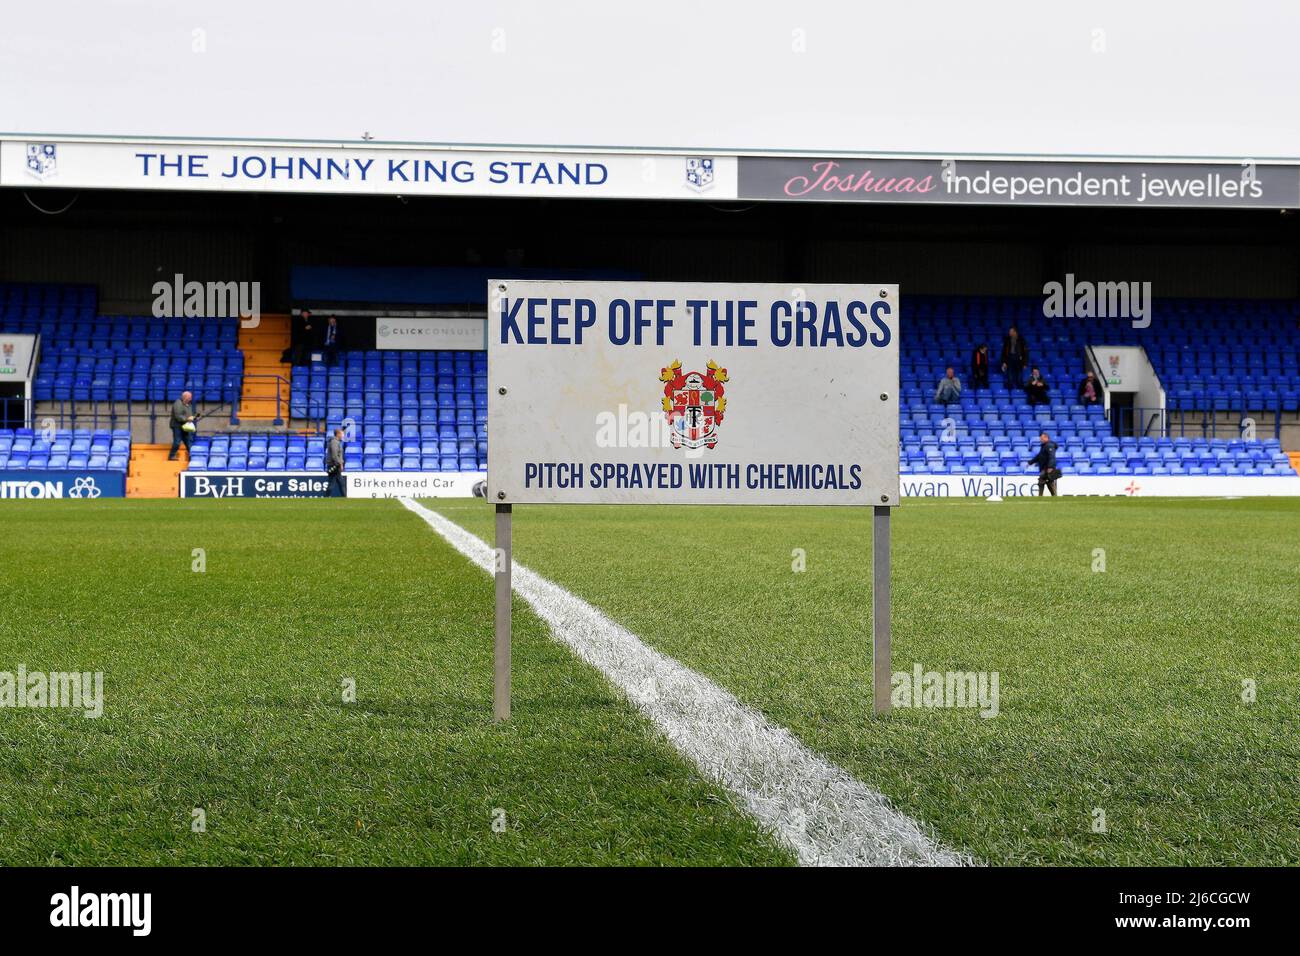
column 1120, row 690
column 223, row 692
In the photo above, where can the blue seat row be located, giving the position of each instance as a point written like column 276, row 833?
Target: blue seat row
column 72, row 462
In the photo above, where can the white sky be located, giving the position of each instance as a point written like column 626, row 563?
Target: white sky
column 1181, row 79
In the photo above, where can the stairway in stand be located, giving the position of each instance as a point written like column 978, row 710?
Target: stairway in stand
column 262, row 347
column 149, row 473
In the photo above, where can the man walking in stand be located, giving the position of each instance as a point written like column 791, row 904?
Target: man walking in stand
column 334, row 465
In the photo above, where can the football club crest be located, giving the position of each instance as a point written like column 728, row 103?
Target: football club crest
column 694, row 404
column 42, row 160
column 699, row 172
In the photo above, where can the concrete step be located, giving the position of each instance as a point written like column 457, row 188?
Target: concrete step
column 135, row 470
column 269, row 325
column 152, row 487
column 282, row 371
column 150, row 474
column 262, row 348
column 260, row 409
column 264, row 339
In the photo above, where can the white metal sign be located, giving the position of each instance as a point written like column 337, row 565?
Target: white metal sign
column 426, row 334
column 16, row 356
column 692, row 393
column 363, row 170
column 1121, row 366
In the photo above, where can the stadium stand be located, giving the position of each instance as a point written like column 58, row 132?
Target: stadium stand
column 1211, row 355
column 427, row 411
column 87, row 357
column 138, row 358
column 404, row 411
column 245, row 451
column 22, row 304
column 62, row 314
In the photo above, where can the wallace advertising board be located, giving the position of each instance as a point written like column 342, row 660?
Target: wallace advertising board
column 629, row 392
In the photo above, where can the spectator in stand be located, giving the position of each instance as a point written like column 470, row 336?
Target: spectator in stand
column 182, row 422
column 1089, row 390
column 1015, row 356
column 1048, row 473
column 303, row 338
column 330, row 346
column 949, row 389
column 979, row 367
column 1036, row 388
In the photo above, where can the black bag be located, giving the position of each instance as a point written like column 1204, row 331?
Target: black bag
column 1054, row 474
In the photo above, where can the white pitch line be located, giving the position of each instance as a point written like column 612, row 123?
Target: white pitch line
column 825, row 815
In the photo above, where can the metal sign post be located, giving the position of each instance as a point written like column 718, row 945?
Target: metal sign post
column 880, row 650
column 501, row 647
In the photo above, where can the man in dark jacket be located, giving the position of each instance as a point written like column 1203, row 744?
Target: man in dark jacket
column 1089, row 390
column 182, row 415
column 1046, row 462
column 1036, row 388
column 334, row 464
column 979, row 367
column 1015, row 356
column 304, row 338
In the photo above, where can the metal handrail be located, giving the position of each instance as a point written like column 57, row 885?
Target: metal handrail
column 279, row 382
column 1206, row 420
column 1156, row 416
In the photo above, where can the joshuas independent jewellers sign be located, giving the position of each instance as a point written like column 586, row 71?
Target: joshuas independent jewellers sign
column 1016, row 182
column 339, row 170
